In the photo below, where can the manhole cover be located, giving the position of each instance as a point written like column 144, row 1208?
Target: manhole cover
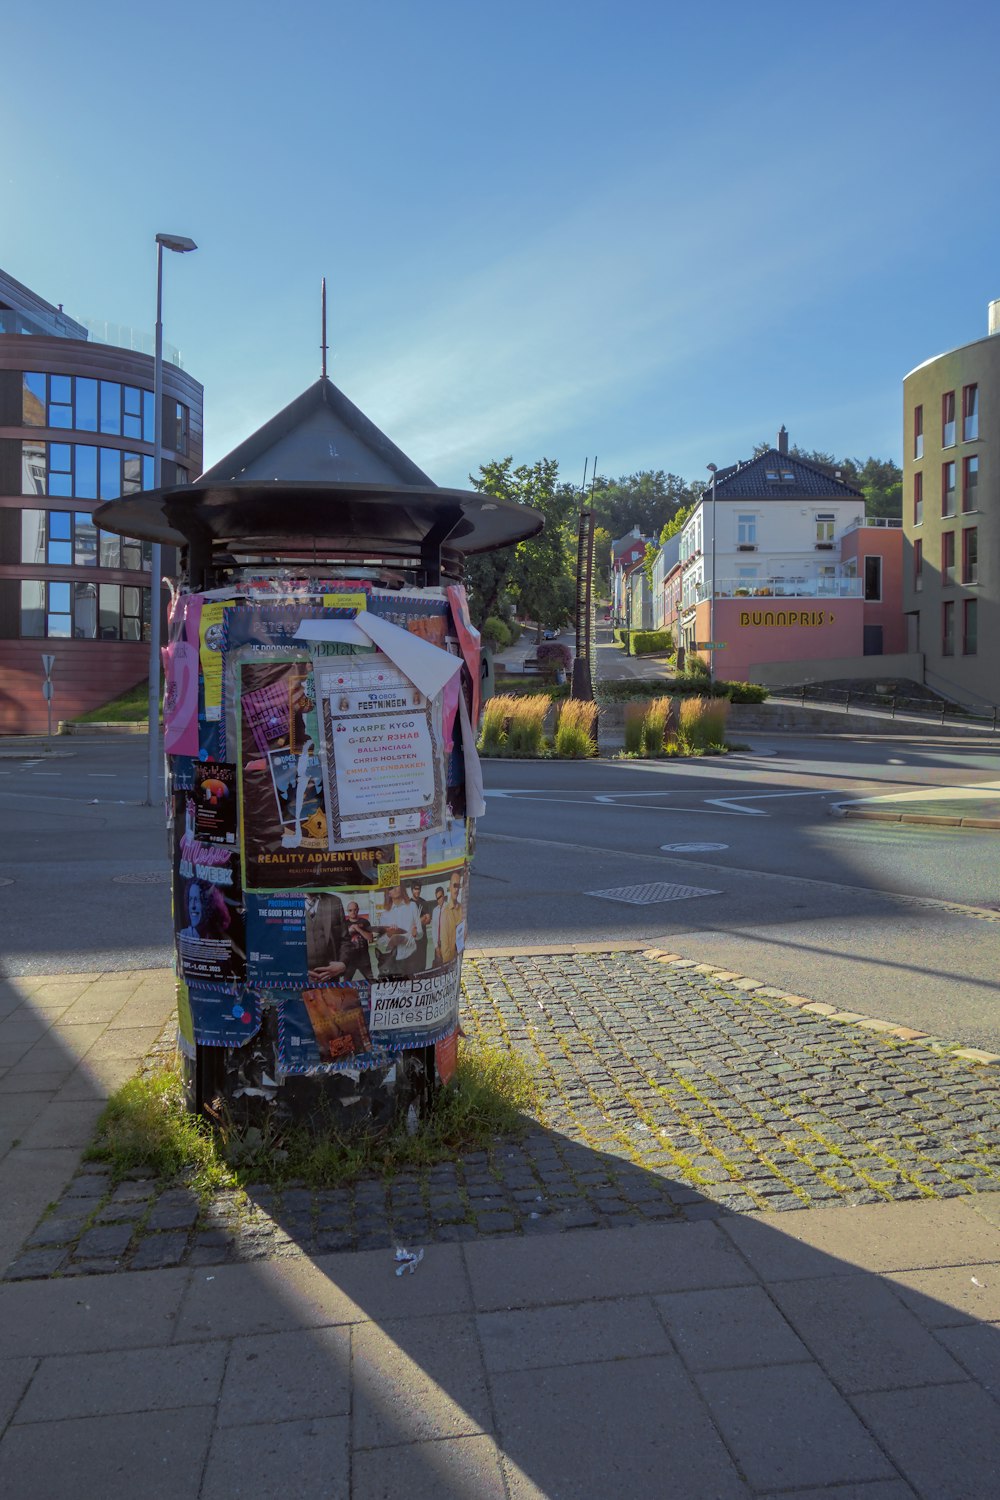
column 646, row 895
column 148, row 877
column 693, row 848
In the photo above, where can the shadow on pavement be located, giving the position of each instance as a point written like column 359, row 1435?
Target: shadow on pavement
column 735, row 1356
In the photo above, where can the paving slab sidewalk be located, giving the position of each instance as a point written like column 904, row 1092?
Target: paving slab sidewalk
column 714, row 1349
column 749, row 1356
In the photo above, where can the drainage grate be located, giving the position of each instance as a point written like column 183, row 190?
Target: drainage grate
column 657, row 890
column 148, row 877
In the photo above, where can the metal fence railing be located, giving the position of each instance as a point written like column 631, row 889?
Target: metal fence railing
column 893, row 704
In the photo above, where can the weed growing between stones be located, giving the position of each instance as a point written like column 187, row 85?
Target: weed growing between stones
column 146, row 1125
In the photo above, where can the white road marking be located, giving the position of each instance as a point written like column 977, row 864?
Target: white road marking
column 733, row 803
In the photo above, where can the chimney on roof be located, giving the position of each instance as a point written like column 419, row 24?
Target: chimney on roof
column 782, row 440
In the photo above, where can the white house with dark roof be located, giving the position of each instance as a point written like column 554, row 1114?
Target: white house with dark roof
column 783, row 586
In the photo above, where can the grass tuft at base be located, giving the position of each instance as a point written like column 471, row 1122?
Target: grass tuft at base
column 145, row 1126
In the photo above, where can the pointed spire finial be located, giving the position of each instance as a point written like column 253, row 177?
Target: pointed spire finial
column 323, row 345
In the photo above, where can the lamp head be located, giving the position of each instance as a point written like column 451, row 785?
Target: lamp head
column 178, row 242
column 712, row 467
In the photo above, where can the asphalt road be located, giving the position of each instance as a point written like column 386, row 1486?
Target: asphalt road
column 893, row 920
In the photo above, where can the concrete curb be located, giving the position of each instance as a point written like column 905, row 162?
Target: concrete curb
column 933, row 820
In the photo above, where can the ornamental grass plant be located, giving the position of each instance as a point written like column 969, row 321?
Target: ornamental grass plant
column 703, row 724
column 496, row 713
column 526, row 726
column 658, row 726
column 635, row 728
column 575, row 729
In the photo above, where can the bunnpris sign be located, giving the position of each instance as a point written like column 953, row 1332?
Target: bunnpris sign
column 787, row 617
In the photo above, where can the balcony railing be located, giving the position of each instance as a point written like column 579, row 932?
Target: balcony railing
column 893, row 523
column 777, row 588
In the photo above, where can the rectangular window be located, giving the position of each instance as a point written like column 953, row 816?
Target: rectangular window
column 58, row 616
column 85, row 611
column 746, row 531
column 970, row 626
column 110, row 550
column 948, row 489
column 60, row 469
column 33, row 536
column 85, row 472
column 60, row 401
column 970, row 482
column 84, row 540
column 86, row 404
column 132, row 411
column 948, row 628
column 970, row 555
column 918, row 499
column 111, row 408
column 33, row 399
column 918, row 566
column 180, row 435
column 948, row 419
column 947, row 557
column 873, row 579
column 918, row 432
column 970, row 413
column 59, row 549
column 32, row 609
column 109, row 611
column 824, row 528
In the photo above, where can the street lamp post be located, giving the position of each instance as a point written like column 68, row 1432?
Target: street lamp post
column 181, row 244
column 712, row 468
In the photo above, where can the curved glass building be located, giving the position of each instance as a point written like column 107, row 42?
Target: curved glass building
column 77, row 428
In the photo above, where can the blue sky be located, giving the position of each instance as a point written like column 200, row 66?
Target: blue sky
column 650, row 232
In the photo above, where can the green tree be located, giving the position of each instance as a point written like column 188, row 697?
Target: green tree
column 535, row 576
column 602, row 557
column 647, row 499
column 649, row 559
column 679, row 520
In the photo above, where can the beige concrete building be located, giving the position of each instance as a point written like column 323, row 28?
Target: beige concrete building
column 951, row 517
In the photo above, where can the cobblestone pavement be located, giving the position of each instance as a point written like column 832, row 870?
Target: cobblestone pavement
column 669, row 1090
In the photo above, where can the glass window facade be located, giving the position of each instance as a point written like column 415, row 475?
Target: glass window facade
column 83, row 404
column 65, row 538
column 83, row 471
column 84, row 611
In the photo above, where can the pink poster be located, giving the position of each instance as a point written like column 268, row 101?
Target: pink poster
column 180, row 672
column 468, row 639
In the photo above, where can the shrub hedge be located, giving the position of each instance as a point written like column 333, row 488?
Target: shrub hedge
column 607, row 691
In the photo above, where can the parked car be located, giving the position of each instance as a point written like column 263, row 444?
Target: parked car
column 550, row 634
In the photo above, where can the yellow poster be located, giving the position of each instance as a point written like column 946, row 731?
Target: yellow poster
column 345, row 601
column 210, row 652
